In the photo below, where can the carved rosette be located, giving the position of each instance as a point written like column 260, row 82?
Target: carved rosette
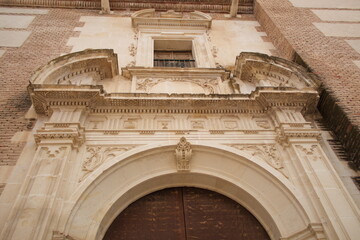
column 183, row 154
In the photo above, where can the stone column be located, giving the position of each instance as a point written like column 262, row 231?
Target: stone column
column 337, row 216
column 105, row 7
column 40, row 199
column 234, row 8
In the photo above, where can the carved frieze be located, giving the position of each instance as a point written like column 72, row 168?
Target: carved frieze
column 183, row 153
column 250, row 124
column 209, row 85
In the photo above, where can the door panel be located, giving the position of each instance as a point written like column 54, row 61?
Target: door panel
column 184, row 214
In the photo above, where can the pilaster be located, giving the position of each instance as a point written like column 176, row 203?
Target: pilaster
column 41, row 195
column 105, row 7
column 336, row 210
column 234, row 8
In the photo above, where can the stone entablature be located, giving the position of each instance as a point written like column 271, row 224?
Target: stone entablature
column 96, row 100
column 148, row 17
column 127, row 122
column 209, row 80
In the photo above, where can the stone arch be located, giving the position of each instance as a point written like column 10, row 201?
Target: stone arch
column 267, row 194
column 69, row 69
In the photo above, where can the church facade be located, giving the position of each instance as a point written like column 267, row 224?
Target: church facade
column 154, row 100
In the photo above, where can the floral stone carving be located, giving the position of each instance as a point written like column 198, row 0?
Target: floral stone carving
column 268, row 153
column 97, row 155
column 209, row 85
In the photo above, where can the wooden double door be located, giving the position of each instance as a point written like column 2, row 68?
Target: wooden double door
column 185, row 213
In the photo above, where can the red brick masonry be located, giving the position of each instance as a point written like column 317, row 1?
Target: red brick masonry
column 295, row 37
column 48, row 38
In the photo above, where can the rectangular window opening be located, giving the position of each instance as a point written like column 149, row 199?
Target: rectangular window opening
column 173, row 53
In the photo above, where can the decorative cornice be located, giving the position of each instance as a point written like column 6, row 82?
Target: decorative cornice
column 65, row 133
column 148, row 17
column 285, row 136
column 44, row 97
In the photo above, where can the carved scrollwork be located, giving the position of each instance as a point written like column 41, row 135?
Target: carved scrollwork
column 183, row 154
column 310, row 151
column 97, row 155
column 268, row 153
column 145, row 84
column 132, row 50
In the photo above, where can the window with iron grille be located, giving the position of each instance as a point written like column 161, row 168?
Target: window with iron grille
column 173, row 53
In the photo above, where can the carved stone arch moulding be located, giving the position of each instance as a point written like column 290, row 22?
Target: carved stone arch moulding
column 262, row 70
column 86, row 67
column 156, row 168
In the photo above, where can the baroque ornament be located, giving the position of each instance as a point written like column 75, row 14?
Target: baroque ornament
column 97, row 155
column 267, row 153
column 183, row 154
column 132, row 50
column 145, row 84
column 311, row 151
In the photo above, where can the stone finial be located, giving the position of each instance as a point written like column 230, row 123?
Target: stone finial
column 183, row 154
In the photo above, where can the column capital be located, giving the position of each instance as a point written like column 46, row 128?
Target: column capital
column 60, row 133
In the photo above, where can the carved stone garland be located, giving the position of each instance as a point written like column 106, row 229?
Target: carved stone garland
column 183, row 154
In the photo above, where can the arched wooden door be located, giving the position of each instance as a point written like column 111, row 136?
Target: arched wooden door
column 183, row 214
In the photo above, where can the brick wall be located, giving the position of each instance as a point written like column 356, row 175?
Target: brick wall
column 245, row 6
column 294, row 36
column 48, row 38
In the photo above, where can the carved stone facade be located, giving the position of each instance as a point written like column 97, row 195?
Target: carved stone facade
column 248, row 133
